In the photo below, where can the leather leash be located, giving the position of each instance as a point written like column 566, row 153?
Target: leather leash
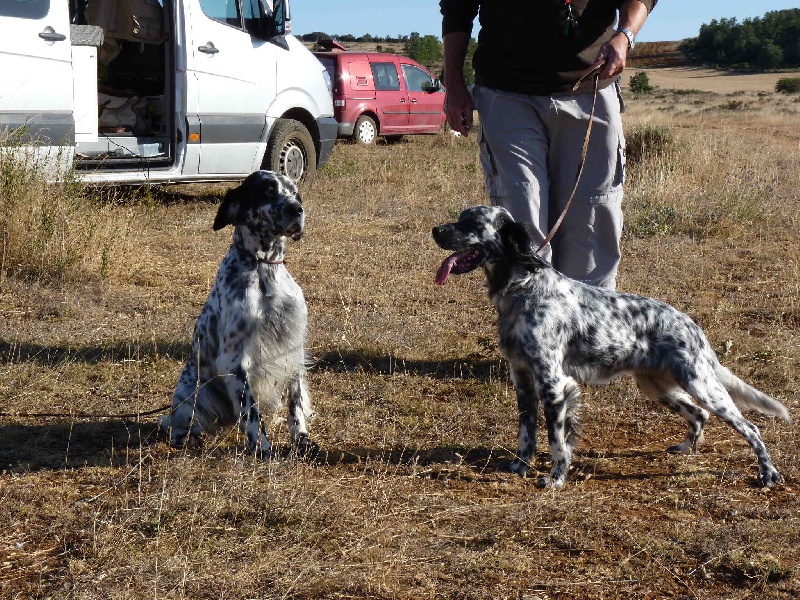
column 88, row 415
column 596, row 74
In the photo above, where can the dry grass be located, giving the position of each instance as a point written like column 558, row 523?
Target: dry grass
column 416, row 418
column 56, row 232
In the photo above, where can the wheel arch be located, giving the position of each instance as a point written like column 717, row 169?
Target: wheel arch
column 304, row 117
column 372, row 115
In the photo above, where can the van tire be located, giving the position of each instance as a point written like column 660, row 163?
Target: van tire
column 366, row 131
column 291, row 151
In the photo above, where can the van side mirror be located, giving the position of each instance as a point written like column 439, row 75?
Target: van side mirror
column 271, row 23
column 431, row 86
column 279, row 18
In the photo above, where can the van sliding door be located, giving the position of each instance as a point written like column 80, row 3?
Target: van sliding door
column 36, row 80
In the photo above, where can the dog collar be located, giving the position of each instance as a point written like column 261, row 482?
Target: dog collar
column 263, row 260
column 271, row 262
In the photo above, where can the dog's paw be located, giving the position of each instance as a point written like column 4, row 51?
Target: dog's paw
column 304, row 448
column 262, row 450
column 519, row 466
column 769, row 477
column 550, row 483
column 184, row 439
column 680, row 449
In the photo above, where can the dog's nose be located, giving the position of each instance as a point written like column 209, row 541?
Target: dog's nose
column 296, row 209
column 436, row 231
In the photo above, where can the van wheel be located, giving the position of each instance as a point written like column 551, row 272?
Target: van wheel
column 365, row 130
column 291, row 151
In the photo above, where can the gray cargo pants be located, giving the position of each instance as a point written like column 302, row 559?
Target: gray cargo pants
column 530, row 148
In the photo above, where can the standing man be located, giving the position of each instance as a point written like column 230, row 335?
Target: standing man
column 532, row 125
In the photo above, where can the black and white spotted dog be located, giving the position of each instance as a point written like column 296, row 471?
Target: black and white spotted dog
column 556, row 333
column 248, row 344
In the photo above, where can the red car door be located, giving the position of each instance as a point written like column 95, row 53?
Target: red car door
column 426, row 106
column 391, row 97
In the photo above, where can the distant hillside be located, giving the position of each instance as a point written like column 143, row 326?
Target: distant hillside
column 657, row 54
column 644, row 55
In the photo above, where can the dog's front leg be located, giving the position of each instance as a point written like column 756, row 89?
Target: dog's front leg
column 299, row 412
column 528, row 408
column 560, row 402
column 240, row 392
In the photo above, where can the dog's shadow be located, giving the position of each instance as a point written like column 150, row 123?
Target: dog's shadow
column 69, row 445
column 115, row 443
column 112, row 443
column 467, row 368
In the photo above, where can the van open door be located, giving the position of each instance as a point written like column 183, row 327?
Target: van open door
column 36, row 100
column 232, row 79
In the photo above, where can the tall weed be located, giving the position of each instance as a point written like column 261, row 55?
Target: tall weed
column 680, row 187
column 53, row 230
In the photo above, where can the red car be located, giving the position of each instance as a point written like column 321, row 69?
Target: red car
column 386, row 95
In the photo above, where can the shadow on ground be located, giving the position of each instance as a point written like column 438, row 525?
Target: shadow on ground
column 465, row 368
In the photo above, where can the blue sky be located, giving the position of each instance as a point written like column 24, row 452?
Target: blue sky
column 671, row 19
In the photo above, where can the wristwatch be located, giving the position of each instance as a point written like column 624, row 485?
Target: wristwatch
column 628, row 34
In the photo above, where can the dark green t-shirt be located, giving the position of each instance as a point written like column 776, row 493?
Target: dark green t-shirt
column 522, row 46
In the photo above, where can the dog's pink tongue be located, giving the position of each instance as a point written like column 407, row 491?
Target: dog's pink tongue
column 444, row 271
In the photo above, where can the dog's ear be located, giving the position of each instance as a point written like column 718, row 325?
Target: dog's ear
column 516, row 238
column 518, row 241
column 229, row 209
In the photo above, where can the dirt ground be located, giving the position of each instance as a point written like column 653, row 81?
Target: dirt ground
column 410, row 497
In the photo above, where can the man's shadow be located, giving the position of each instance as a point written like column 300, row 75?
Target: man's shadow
column 29, row 443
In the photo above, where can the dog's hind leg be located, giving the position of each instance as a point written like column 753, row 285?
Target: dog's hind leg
column 711, row 394
column 560, row 402
column 528, row 408
column 182, row 423
column 664, row 390
column 300, row 411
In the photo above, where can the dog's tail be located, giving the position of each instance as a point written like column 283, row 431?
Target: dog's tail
column 747, row 397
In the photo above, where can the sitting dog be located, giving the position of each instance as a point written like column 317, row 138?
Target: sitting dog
column 556, row 332
column 248, row 344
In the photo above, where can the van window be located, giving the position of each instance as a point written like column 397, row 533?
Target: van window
column 224, row 11
column 385, row 76
column 415, row 78
column 25, row 9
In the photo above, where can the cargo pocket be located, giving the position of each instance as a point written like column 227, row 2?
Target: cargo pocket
column 620, row 175
column 494, row 187
column 618, row 88
column 614, row 193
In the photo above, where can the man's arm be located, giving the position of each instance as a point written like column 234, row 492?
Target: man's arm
column 457, row 102
column 613, row 55
column 457, row 18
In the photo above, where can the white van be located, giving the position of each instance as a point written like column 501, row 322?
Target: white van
column 163, row 90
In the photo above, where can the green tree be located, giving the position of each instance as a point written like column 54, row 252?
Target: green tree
column 426, row 50
column 771, row 41
column 640, row 83
column 770, row 56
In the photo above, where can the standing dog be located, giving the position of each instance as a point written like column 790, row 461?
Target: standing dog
column 249, row 340
column 556, row 332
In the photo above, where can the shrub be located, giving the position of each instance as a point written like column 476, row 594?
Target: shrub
column 640, row 83
column 53, row 230
column 788, row 85
column 648, row 141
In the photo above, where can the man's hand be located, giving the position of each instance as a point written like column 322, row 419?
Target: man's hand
column 458, row 108
column 611, row 59
column 614, row 53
